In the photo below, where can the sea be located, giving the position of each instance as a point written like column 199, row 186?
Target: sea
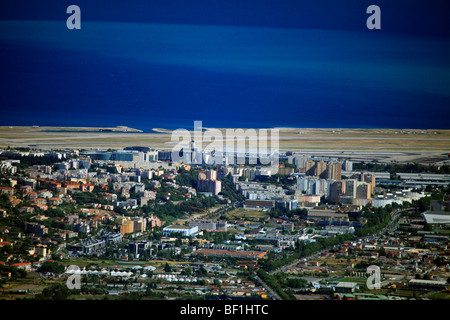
column 156, row 75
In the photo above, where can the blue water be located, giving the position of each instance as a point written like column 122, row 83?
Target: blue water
column 146, row 75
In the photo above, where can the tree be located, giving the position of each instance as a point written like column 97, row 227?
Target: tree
column 53, row 267
column 201, row 272
column 167, row 268
column 187, row 271
column 55, row 292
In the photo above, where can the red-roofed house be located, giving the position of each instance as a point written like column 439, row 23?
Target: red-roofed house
column 26, row 210
column 42, row 206
column 38, row 201
column 6, row 243
column 55, row 201
column 23, row 265
column 31, row 195
column 87, row 187
column 44, row 194
column 26, row 189
column 72, row 185
column 14, row 201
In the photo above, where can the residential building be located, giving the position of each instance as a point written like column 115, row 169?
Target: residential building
column 7, row 190
column 128, row 204
column 127, row 227
column 321, row 169
column 334, row 170
column 207, row 182
column 37, row 229
column 153, row 221
column 42, row 250
column 363, row 190
column 337, row 189
column 90, row 247
column 22, row 265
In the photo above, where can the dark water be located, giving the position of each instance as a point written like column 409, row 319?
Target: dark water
column 161, row 75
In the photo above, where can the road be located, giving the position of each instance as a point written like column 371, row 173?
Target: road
column 395, row 216
column 269, row 289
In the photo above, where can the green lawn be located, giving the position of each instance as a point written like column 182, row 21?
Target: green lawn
column 443, row 232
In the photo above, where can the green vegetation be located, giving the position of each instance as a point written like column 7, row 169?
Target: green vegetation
column 4, row 201
column 55, row 292
column 229, row 190
column 245, row 214
column 217, row 237
column 51, row 266
column 295, row 282
column 397, row 167
column 187, row 178
column 423, row 204
column 170, row 211
column 88, row 197
column 377, row 219
column 15, row 272
column 279, row 282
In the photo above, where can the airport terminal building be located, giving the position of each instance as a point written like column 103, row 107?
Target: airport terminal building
column 140, row 155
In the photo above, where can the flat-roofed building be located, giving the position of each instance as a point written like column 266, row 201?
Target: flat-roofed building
column 127, row 227
column 439, row 212
column 203, row 224
column 90, row 247
column 436, row 217
column 325, row 214
column 185, row 231
column 428, row 284
column 337, row 190
column 42, row 250
column 363, row 190
column 263, row 204
column 346, row 287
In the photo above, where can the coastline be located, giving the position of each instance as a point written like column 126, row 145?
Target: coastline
column 37, row 128
column 384, row 145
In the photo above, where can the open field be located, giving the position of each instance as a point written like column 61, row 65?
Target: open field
column 246, row 214
column 384, row 145
column 33, row 284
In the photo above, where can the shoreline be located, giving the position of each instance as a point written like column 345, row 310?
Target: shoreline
column 383, row 144
column 37, row 128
